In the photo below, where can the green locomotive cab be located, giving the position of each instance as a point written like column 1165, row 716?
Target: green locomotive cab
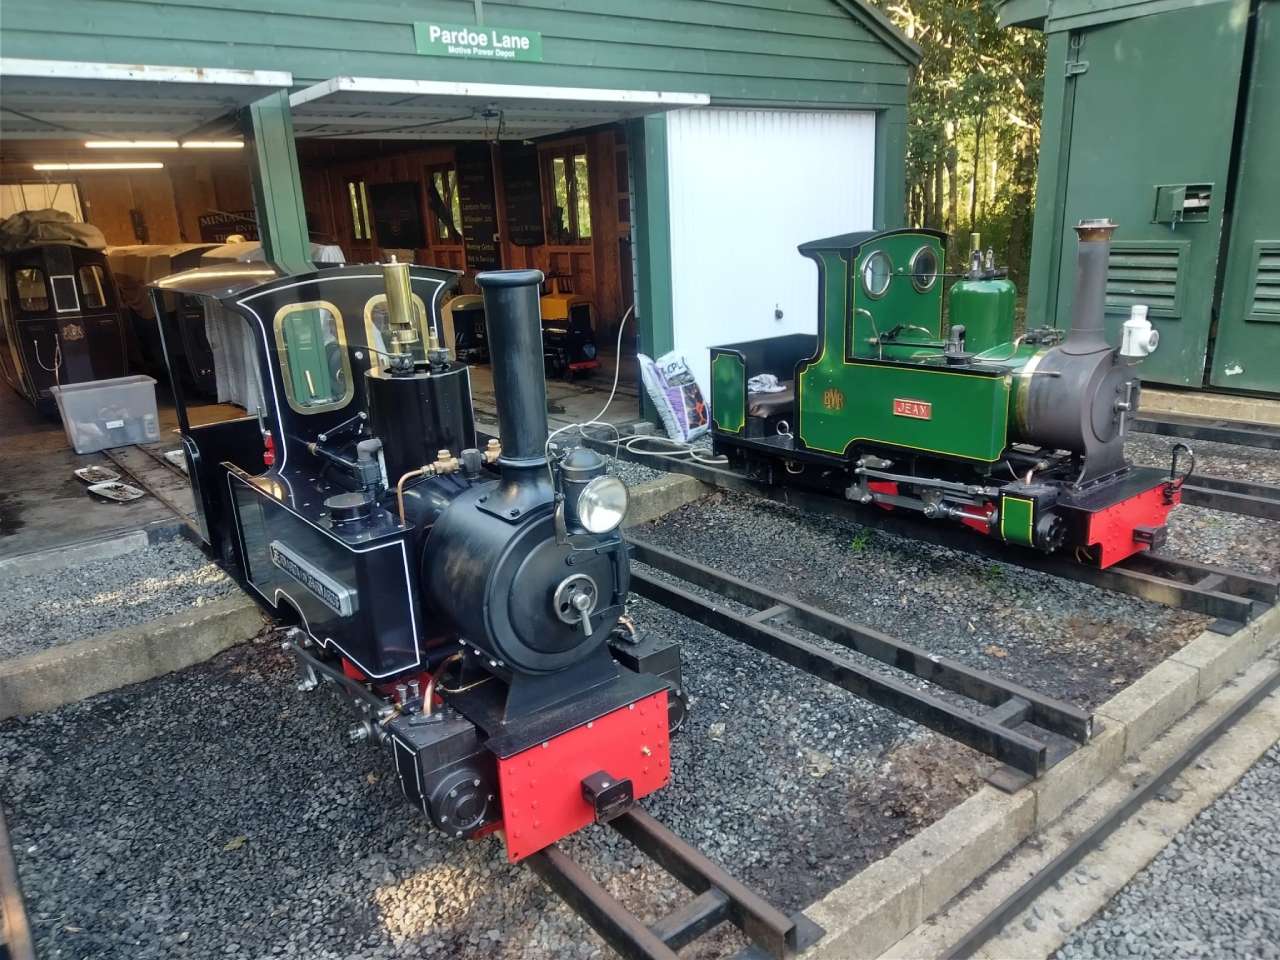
column 1018, row 436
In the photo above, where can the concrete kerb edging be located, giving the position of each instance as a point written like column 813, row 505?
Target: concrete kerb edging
column 72, row 671
column 656, row 498
column 886, row 901
column 86, row 551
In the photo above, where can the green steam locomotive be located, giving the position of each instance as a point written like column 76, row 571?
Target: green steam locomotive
column 1019, row 436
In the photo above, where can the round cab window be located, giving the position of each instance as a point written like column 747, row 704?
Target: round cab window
column 877, row 270
column 924, row 269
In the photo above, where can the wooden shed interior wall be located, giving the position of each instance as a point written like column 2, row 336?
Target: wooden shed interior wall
column 170, row 200
column 595, row 269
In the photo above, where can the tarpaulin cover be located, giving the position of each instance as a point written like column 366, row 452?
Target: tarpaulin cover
column 33, row 227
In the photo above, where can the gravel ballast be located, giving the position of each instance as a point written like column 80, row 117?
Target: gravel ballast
column 1211, row 893
column 243, row 824
column 41, row 610
column 1060, row 637
column 218, row 812
column 1214, row 536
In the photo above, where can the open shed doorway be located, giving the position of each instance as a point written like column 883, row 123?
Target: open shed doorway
column 479, row 177
column 561, row 205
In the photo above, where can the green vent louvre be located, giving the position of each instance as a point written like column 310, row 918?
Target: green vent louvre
column 1265, row 305
column 1148, row 273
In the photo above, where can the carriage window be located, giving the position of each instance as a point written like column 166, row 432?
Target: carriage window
column 569, row 217
column 358, row 194
column 446, row 204
column 65, row 298
column 33, row 294
column 383, row 338
column 313, row 356
column 92, row 290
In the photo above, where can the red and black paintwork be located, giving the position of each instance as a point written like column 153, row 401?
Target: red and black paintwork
column 454, row 592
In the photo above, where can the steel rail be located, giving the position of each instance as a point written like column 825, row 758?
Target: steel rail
column 1264, row 436
column 1020, row 899
column 1045, row 712
column 985, row 735
column 1244, row 497
column 718, row 898
column 1231, row 596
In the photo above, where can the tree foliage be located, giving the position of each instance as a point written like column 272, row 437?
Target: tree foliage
column 974, row 131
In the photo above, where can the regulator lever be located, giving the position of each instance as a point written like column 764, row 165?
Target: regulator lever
column 584, row 602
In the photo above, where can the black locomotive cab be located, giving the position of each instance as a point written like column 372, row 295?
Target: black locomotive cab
column 465, row 593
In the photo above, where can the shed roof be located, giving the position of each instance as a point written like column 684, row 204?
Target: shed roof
column 786, row 53
column 1053, row 16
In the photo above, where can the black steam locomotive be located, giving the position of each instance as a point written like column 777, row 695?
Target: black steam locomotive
column 467, row 595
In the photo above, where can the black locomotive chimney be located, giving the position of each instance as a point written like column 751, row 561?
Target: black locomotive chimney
column 514, row 324
column 1089, row 307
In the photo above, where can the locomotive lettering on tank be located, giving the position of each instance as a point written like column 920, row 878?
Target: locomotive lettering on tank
column 915, row 409
column 833, row 399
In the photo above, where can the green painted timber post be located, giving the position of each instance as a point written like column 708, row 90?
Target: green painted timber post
column 1051, row 184
column 277, row 186
column 889, row 205
column 651, row 215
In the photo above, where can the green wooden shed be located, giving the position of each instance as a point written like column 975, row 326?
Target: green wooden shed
column 1165, row 116
column 800, row 103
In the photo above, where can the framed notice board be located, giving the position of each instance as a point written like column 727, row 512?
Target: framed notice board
column 522, row 194
column 397, row 214
column 479, row 208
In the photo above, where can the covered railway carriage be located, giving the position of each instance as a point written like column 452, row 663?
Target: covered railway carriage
column 465, row 595
column 60, row 320
column 1020, row 438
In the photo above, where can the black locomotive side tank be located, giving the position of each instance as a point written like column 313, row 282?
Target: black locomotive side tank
column 420, row 413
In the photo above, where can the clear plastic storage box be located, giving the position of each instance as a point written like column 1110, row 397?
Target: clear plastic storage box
column 99, row 414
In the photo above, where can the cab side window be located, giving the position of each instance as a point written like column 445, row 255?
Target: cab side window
column 313, row 357
column 33, row 292
column 93, row 290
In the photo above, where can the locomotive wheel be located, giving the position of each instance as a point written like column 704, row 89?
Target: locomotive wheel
column 1051, row 532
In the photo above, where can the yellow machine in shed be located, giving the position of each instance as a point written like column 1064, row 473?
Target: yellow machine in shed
column 568, row 332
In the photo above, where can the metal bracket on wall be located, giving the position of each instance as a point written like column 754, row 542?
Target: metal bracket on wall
column 1074, row 67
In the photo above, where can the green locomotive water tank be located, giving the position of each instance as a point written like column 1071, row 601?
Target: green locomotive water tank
column 984, row 303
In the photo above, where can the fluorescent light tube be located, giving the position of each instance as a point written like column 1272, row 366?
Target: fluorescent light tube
column 141, row 165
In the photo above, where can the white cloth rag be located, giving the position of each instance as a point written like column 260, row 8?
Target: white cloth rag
column 764, row 383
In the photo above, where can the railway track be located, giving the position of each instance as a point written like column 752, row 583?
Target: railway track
column 1022, row 729
column 1231, row 597
column 718, row 899
column 1025, row 730
column 1209, row 429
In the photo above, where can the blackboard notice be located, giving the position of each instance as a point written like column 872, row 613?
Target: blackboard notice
column 397, row 215
column 216, row 227
column 479, row 209
column 522, row 194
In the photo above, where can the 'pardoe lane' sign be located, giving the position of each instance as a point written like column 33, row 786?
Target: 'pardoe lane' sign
column 493, row 43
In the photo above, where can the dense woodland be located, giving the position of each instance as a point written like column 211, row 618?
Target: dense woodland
column 974, row 125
